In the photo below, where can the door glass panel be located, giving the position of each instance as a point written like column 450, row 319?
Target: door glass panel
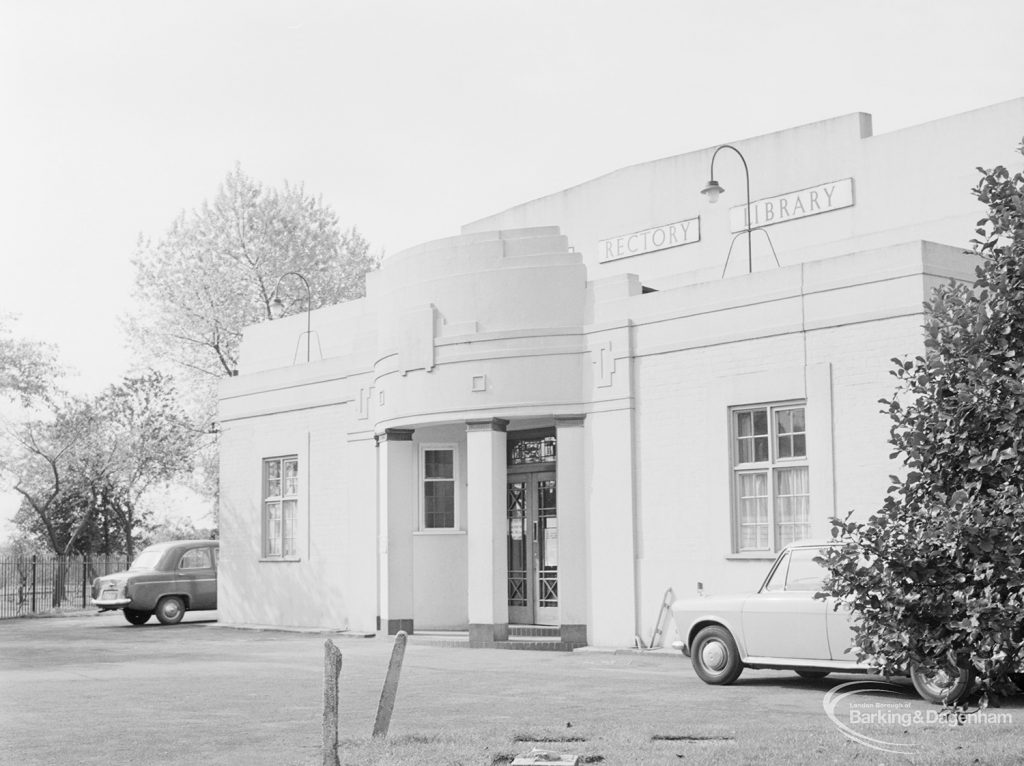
column 547, row 521
column 197, row 558
column 804, row 572
column 517, row 544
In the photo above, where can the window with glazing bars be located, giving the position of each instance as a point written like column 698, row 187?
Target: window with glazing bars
column 439, row 488
column 771, row 491
column 280, row 506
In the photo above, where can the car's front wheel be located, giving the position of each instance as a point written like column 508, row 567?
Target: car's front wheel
column 170, row 610
column 715, row 657
column 137, row 616
column 944, row 685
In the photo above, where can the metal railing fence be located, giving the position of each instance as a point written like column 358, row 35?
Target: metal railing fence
column 45, row 582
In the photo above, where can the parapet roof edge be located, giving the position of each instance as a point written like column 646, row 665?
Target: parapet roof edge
column 864, row 118
column 860, row 117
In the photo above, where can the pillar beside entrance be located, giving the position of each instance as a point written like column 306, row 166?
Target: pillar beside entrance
column 572, row 532
column 485, row 530
column 396, row 467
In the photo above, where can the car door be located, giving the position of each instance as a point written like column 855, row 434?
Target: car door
column 840, row 631
column 197, row 577
column 784, row 620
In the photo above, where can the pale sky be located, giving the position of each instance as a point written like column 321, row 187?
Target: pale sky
column 412, row 118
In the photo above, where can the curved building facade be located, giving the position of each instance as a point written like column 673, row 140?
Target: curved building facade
column 585, row 400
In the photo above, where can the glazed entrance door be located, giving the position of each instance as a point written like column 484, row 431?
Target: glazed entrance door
column 532, row 549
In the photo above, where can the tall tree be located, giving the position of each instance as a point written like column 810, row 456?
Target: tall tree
column 148, row 439
column 52, row 463
column 216, row 269
column 936, row 576
column 47, row 461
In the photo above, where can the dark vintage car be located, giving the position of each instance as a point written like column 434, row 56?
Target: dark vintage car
column 167, row 579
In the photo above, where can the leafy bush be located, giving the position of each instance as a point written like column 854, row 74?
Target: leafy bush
column 937, row 574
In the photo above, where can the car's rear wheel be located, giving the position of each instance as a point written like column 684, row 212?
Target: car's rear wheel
column 715, row 657
column 170, row 610
column 137, row 616
column 944, row 685
column 812, row 675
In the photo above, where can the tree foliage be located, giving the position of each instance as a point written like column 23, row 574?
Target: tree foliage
column 216, row 269
column 149, row 439
column 219, row 268
column 82, row 470
column 937, row 574
column 28, row 370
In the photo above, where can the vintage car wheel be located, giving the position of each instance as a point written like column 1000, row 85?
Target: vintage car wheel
column 136, row 616
column 812, row 675
column 942, row 686
column 170, row 610
column 715, row 657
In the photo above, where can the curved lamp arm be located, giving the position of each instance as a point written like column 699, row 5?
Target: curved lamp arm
column 277, row 305
column 713, row 190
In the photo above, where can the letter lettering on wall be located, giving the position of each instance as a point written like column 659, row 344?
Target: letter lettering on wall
column 792, row 206
column 649, row 240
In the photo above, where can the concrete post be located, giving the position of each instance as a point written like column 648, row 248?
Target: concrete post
column 332, row 669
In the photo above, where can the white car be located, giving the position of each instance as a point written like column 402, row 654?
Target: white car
column 782, row 626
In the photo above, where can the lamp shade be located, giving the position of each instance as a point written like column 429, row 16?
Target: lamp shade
column 713, row 189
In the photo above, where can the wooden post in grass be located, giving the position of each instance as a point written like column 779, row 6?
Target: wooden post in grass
column 332, row 669
column 387, row 695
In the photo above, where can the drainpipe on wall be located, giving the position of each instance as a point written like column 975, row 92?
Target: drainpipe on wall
column 637, row 527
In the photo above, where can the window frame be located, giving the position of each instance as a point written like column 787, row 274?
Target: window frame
column 209, row 559
column 769, row 467
column 422, row 488
column 284, row 554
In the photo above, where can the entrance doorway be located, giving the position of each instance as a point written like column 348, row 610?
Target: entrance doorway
column 532, row 514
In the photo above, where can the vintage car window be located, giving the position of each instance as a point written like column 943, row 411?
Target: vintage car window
column 804, row 572
column 148, row 559
column 197, row 558
column 777, row 581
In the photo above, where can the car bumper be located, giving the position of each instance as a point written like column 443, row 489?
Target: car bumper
column 111, row 603
column 681, row 647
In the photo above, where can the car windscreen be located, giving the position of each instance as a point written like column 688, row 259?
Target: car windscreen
column 148, row 559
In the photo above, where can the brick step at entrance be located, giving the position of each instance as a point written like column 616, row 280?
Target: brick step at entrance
column 538, row 631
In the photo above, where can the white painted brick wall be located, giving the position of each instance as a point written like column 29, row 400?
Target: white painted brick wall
column 684, row 476
column 327, row 586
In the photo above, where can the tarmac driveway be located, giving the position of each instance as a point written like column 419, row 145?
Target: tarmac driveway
column 96, row 690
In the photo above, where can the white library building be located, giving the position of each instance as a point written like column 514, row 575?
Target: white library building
column 590, row 398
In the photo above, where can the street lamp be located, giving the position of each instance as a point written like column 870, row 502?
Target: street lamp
column 713, row 190
column 277, row 305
